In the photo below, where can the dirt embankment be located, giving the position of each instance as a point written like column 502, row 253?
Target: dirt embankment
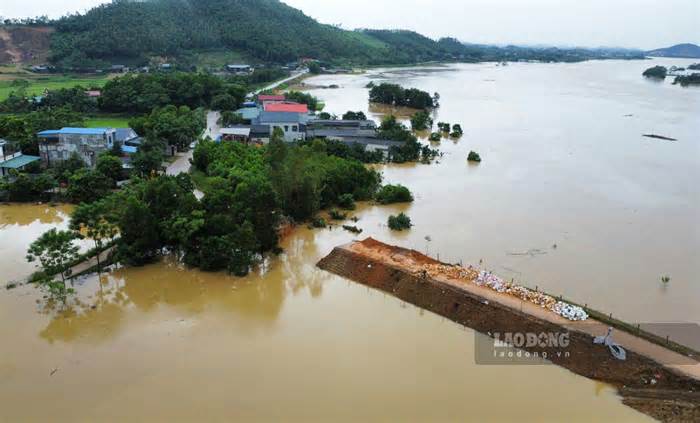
column 23, row 45
column 650, row 387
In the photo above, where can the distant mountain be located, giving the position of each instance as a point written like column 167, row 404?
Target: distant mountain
column 191, row 33
column 689, row 51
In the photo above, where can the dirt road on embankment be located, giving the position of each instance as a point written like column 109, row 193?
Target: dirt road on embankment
column 653, row 380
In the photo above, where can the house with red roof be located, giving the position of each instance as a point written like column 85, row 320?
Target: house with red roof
column 287, row 107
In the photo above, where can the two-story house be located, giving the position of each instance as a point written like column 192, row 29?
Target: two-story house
column 88, row 143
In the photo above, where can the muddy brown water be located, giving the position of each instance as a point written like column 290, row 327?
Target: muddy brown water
column 295, row 343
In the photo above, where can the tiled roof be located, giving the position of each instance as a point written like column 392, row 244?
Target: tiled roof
column 287, row 107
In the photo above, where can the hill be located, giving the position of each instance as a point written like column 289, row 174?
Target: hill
column 24, row 44
column 192, row 33
column 690, row 51
column 265, row 30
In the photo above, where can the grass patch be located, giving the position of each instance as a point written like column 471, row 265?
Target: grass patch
column 219, row 59
column 37, row 84
column 107, row 121
column 201, row 181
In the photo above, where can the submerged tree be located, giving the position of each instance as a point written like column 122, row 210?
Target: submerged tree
column 97, row 221
column 55, row 251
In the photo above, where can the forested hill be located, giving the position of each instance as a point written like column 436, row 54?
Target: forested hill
column 134, row 32
column 266, row 30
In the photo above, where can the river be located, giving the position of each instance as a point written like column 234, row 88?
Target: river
column 563, row 164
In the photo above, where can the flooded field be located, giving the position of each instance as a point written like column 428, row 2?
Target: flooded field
column 563, row 165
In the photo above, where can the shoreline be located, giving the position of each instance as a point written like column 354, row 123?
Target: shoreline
column 642, row 380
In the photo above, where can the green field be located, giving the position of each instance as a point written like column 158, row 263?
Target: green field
column 107, row 121
column 37, row 84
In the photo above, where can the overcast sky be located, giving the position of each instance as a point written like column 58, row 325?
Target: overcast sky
column 625, row 23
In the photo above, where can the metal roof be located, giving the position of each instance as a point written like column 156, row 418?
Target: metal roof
column 19, row 162
column 76, row 131
column 129, row 149
column 248, row 113
column 125, row 134
column 243, row 131
column 280, row 117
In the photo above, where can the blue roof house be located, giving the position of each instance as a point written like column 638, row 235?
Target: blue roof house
column 88, row 143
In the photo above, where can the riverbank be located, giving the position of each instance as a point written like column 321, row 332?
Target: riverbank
column 650, row 371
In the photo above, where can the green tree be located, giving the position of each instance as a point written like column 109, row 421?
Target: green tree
column 110, row 167
column 658, row 72
column 390, row 194
column 54, row 250
column 97, row 221
column 400, row 222
column 86, row 186
column 350, row 115
column 421, row 121
column 139, row 239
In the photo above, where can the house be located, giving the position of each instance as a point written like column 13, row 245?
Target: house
column 93, row 93
column 239, row 69
column 10, row 159
column 41, row 69
column 248, row 114
column 267, row 98
column 341, row 129
column 287, row 107
column 87, row 143
column 350, row 133
column 292, row 124
column 119, row 69
column 238, row 134
column 128, row 137
column 248, row 134
column 166, row 67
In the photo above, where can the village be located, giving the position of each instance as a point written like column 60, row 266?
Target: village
column 256, row 121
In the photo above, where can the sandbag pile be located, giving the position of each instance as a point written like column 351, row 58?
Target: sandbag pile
column 491, row 281
column 570, row 312
column 565, row 310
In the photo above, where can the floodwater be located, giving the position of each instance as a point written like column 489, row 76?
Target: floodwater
column 562, row 165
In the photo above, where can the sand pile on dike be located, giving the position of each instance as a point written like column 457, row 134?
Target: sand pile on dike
column 646, row 380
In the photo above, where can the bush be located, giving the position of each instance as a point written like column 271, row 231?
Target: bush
column 435, row 137
column 337, row 215
column 444, row 127
column 421, row 121
column 457, row 131
column 350, row 115
column 659, row 72
column 318, row 222
column 400, row 222
column 353, row 229
column 346, row 201
column 390, row 194
column 474, row 157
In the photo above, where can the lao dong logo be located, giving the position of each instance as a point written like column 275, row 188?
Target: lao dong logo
column 530, row 340
column 528, row 348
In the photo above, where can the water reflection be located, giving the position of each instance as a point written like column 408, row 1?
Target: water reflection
column 251, row 303
column 27, row 214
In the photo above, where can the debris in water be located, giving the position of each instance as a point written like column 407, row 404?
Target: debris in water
column 53, row 372
column 659, row 137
